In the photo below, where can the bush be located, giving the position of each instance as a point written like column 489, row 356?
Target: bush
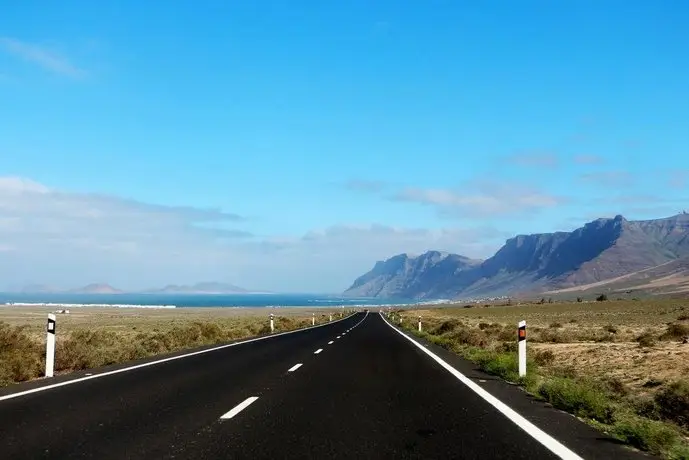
column 601, row 298
column 646, row 340
column 446, row 326
column 610, row 328
column 578, row 397
column 676, row 332
column 683, row 318
column 650, row 435
column 483, row 326
column 21, row 357
column 545, row 357
column 673, row 403
column 555, row 325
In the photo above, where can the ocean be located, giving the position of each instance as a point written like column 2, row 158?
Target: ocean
column 192, row 300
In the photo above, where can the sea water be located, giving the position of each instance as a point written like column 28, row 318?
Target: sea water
column 192, row 300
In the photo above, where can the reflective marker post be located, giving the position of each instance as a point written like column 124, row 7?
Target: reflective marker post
column 272, row 323
column 419, row 324
column 522, row 348
column 331, row 317
column 313, row 320
column 50, row 346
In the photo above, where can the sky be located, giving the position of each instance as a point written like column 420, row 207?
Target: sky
column 289, row 145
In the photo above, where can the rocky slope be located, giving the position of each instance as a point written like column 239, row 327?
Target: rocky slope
column 601, row 250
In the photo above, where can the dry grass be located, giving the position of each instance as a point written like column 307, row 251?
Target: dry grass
column 96, row 336
column 621, row 364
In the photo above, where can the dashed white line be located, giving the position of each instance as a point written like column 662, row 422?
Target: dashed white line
column 317, row 351
column 331, row 342
column 163, row 360
column 239, row 408
column 295, row 367
column 338, row 336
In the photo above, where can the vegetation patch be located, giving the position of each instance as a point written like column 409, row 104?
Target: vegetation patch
column 621, row 366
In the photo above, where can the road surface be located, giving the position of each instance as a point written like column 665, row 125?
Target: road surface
column 356, row 388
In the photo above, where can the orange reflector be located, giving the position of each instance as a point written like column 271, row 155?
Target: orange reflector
column 522, row 333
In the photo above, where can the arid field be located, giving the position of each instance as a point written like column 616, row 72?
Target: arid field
column 621, row 365
column 88, row 337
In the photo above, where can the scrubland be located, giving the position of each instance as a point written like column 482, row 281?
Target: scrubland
column 622, row 366
column 89, row 337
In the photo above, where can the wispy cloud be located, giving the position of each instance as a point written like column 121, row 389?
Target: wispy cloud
column 58, row 237
column 588, row 159
column 362, row 185
column 608, row 178
column 534, row 159
column 679, row 179
column 482, row 199
column 41, row 56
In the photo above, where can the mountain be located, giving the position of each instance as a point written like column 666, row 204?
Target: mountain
column 202, row 288
column 601, row 250
column 404, row 276
column 96, row 288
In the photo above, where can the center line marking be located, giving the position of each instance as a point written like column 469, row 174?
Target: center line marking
column 239, row 408
column 331, row 342
column 338, row 337
column 318, row 351
column 294, row 368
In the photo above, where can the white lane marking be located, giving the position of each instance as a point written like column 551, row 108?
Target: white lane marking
column 295, row 367
column 164, row 360
column 331, row 342
column 317, row 351
column 239, row 408
column 532, row 430
column 338, row 336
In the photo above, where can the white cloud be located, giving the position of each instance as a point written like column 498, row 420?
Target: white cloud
column 363, row 185
column 482, row 199
column 534, row 159
column 612, row 179
column 71, row 239
column 41, row 56
column 586, row 159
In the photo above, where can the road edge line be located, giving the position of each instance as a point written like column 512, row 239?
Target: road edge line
column 532, row 430
column 163, row 360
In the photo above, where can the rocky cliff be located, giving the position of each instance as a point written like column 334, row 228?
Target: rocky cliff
column 601, row 250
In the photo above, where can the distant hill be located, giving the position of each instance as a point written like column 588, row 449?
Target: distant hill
column 201, row 288
column 96, row 288
column 601, row 251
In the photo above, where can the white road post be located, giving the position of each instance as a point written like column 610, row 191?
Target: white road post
column 419, row 324
column 522, row 348
column 313, row 320
column 272, row 323
column 331, row 317
column 50, row 346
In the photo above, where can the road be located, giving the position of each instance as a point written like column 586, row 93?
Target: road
column 356, row 388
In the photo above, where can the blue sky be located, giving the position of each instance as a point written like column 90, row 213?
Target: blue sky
column 289, row 145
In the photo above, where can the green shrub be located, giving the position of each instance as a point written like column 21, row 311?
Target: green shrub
column 673, row 403
column 578, row 397
column 650, row 435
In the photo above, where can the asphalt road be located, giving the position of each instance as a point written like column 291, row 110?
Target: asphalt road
column 368, row 393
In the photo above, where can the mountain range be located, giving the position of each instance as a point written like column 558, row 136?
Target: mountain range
column 605, row 255
column 104, row 288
